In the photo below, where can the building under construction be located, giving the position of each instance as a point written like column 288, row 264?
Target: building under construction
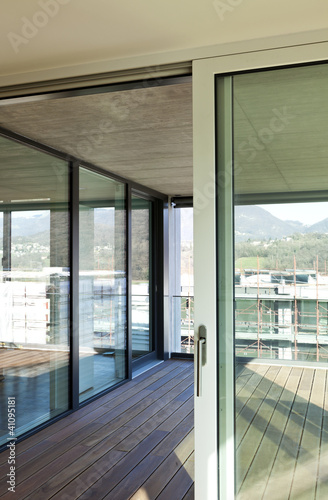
column 282, row 314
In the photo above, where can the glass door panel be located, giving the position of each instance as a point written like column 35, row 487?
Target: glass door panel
column 281, row 283
column 141, row 283
column 102, row 322
column 34, row 287
column 260, row 139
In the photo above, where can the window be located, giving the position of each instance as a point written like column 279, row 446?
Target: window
column 34, row 286
column 102, row 285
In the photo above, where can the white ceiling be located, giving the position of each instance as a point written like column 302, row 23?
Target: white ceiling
column 37, row 35
column 49, row 39
column 145, row 134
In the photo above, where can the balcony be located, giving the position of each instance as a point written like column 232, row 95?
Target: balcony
column 137, row 441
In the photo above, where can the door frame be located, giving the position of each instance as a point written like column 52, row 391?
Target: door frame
column 213, row 211
column 156, row 282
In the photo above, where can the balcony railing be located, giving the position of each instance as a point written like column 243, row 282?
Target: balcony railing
column 183, row 324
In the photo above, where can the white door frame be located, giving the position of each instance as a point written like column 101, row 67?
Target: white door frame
column 214, row 409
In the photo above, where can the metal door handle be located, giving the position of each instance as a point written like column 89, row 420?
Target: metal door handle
column 201, row 358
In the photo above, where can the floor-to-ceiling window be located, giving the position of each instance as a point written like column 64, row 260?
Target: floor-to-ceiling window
column 182, row 276
column 103, row 245
column 102, row 283
column 52, row 326
column 281, row 283
column 142, row 279
column 34, row 287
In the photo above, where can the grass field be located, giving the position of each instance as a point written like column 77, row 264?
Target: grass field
column 249, row 263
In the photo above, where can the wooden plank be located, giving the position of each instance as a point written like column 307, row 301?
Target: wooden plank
column 129, row 388
column 284, row 466
column 175, row 435
column 31, row 485
column 249, row 401
column 85, row 471
column 108, row 481
column 243, row 379
column 91, row 465
column 127, row 414
column 258, row 372
column 145, row 450
column 322, row 478
column 79, row 426
column 306, row 471
column 80, row 483
column 39, row 437
column 181, row 482
column 120, row 435
column 123, row 490
column 162, row 415
column 190, row 495
column 265, row 457
column 157, row 481
column 49, row 454
column 147, row 395
column 90, row 476
column 251, row 441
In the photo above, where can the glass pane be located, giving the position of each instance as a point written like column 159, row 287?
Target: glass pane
column 281, row 282
column 1, row 240
column 142, row 334
column 102, row 283
column 34, row 286
column 183, row 283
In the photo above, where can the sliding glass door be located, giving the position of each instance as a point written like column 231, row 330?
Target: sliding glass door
column 34, row 287
column 81, row 283
column 261, row 288
column 102, row 305
column 141, row 276
column 281, row 285
column 110, row 347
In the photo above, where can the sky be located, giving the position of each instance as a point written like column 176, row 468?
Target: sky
column 307, row 213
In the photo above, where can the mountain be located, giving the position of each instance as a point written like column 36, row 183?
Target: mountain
column 319, row 227
column 256, row 223
column 251, row 222
column 25, row 226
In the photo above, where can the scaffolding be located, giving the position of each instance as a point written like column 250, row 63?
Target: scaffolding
column 282, row 313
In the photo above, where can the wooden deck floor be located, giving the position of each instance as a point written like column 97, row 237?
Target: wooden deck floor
column 135, row 442
column 282, row 433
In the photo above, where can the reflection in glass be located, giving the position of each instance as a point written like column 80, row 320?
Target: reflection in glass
column 183, row 318
column 142, row 334
column 281, row 283
column 34, row 286
column 1, row 241
column 183, row 282
column 102, row 321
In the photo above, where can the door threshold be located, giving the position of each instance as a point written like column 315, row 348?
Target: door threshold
column 146, row 367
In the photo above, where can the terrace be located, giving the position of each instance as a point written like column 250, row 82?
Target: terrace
column 137, row 441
